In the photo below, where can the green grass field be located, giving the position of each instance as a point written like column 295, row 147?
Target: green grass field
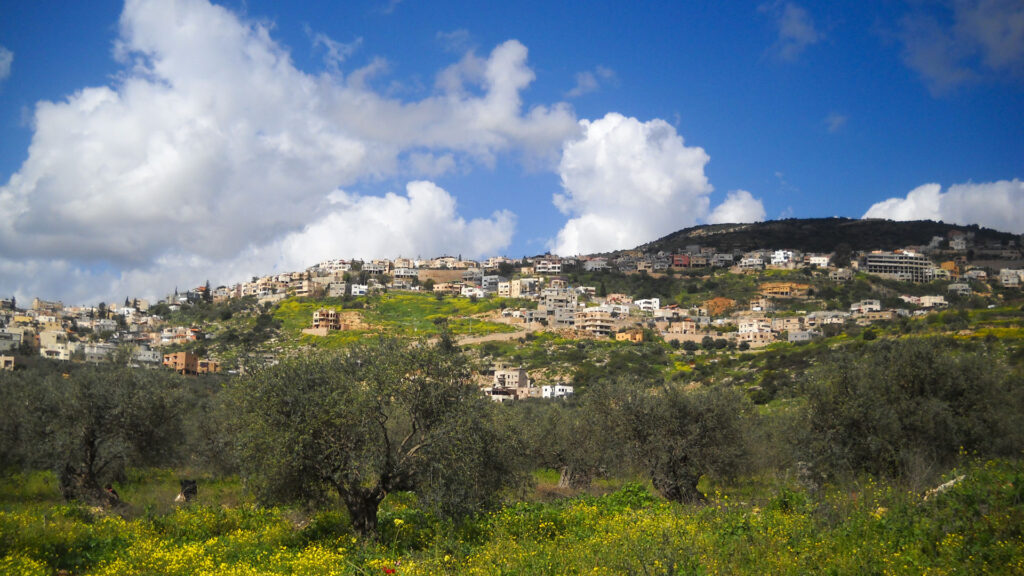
column 405, row 314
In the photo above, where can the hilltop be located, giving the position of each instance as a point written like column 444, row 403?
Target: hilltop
column 819, row 235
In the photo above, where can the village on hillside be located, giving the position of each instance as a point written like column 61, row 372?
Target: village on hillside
column 787, row 285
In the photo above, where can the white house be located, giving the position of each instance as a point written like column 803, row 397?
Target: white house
column 819, row 260
column 556, row 391
column 782, row 257
column 865, row 306
column 648, row 305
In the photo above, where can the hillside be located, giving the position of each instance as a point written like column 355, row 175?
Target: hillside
column 818, row 235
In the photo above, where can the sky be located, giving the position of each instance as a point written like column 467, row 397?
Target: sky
column 153, row 145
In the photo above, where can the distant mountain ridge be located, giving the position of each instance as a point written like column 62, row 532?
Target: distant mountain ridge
column 819, row 235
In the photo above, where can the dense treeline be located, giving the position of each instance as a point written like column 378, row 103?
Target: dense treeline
column 820, row 235
column 347, row 429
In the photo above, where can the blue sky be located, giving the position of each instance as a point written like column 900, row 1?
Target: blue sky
column 145, row 145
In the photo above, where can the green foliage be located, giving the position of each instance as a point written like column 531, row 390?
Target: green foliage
column 383, row 416
column 89, row 423
column 680, row 435
column 906, row 408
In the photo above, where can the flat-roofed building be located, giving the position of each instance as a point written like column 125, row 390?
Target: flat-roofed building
column 901, row 265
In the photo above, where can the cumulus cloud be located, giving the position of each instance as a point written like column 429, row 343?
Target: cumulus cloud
column 956, row 43
column 211, row 147
column 998, row 205
column 424, row 221
column 591, row 81
column 6, row 59
column 739, row 206
column 796, row 30
column 627, row 182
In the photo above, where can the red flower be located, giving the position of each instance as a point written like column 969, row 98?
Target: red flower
column 389, row 570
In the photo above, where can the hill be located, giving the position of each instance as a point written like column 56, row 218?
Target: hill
column 818, row 235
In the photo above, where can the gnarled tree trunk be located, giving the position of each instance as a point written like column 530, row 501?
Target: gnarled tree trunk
column 362, row 509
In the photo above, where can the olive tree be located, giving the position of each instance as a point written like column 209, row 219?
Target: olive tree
column 89, row 423
column 906, row 408
column 568, row 435
column 677, row 434
column 379, row 417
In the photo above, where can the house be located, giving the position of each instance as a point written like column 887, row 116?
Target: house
column 360, row 289
column 6, row 362
column 54, row 344
column 784, row 290
column 489, row 283
column 147, row 355
column 326, row 318
column 548, row 266
column 648, row 305
column 100, row 352
column 876, row 316
column 751, row 262
column 635, row 335
column 754, row 324
column 959, row 288
column 787, row 324
column 189, row 363
column 803, row 336
column 1009, row 278
column 840, row 275
column 976, row 274
column 556, row 391
column 182, row 362
column 819, row 260
column 865, row 306
column 507, row 377
column 596, row 265
column 721, row 260
column 337, row 289
column 952, row 268
column 596, row 321
column 756, row 339
column 782, row 257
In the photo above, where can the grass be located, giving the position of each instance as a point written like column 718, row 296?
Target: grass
column 402, row 314
column 757, row 526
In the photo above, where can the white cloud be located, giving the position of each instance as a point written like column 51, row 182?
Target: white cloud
column 964, row 41
column 627, row 182
column 834, row 122
column 212, row 146
column 739, row 206
column 424, row 221
column 590, row 81
column 455, row 41
column 6, row 59
column 335, row 53
column 796, row 30
column 998, row 205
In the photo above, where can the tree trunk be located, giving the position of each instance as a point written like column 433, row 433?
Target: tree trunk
column 678, row 487
column 362, row 510
column 575, row 478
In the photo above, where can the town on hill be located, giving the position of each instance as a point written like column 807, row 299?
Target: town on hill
column 689, row 290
